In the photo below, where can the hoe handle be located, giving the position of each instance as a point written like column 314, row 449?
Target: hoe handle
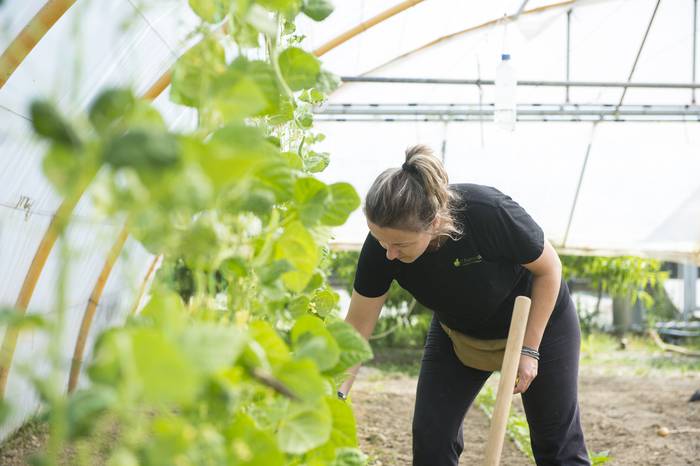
column 509, row 370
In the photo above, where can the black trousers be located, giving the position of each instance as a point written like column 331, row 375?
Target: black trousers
column 447, row 388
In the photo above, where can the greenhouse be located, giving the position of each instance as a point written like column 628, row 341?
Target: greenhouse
column 194, row 226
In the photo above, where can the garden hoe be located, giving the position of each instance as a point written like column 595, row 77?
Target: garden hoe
column 509, row 370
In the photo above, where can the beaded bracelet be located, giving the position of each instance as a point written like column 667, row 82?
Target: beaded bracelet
column 530, row 352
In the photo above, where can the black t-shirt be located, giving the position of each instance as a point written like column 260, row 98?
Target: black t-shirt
column 471, row 283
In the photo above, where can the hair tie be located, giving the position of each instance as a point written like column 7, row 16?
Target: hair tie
column 407, row 168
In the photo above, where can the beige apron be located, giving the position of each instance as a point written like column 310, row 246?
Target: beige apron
column 486, row 355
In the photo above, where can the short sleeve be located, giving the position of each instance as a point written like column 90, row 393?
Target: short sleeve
column 374, row 272
column 505, row 232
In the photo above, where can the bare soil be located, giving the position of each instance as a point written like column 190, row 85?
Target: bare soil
column 621, row 414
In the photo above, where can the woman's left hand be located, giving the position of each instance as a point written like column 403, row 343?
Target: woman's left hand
column 527, row 371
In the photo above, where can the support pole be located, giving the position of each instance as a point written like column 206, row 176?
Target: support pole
column 690, row 280
column 695, row 41
column 509, row 370
column 578, row 187
column 568, row 52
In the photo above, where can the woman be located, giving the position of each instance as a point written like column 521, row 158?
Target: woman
column 466, row 251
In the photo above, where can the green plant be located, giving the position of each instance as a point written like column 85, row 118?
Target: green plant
column 627, row 277
column 236, row 357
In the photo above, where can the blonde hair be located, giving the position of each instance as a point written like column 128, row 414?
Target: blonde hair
column 413, row 196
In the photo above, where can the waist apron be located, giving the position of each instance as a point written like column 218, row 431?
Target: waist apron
column 485, row 355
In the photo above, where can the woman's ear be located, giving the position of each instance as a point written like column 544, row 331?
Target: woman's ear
column 435, row 224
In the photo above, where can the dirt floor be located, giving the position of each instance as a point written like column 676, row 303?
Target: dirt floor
column 621, row 414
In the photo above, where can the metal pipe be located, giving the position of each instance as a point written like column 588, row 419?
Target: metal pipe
column 489, row 118
column 490, row 82
column 639, row 52
column 568, row 51
column 523, row 109
column 695, row 41
column 578, row 186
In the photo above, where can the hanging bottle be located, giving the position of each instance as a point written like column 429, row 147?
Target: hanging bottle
column 505, row 107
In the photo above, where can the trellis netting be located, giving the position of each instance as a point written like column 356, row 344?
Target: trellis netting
column 605, row 169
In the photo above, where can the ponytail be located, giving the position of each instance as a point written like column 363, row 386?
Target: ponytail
column 414, row 196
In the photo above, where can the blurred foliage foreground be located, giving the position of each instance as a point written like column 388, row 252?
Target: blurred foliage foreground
column 244, row 371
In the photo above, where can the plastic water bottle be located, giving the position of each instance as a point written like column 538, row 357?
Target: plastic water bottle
column 505, row 106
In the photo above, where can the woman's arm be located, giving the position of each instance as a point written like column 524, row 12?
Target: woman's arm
column 363, row 315
column 546, row 271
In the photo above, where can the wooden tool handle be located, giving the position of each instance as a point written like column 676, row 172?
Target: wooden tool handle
column 509, row 370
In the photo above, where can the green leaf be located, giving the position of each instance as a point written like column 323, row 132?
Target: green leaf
column 318, row 10
column 250, row 446
column 304, row 428
column 302, row 378
column 271, row 272
column 327, row 82
column 85, row 408
column 165, row 311
column 299, row 305
column 142, row 149
column 110, row 108
column 343, row 438
column 299, row 68
column 311, row 196
column 19, row 320
column 298, row 247
column 164, row 372
column 293, row 160
column 108, row 356
column 325, row 301
column 238, row 99
column 195, row 73
column 289, row 8
column 211, row 11
column 247, row 76
column 344, row 433
column 240, row 155
column 343, row 201
column 62, row 165
column 316, row 161
column 48, row 123
column 276, row 349
column 311, row 340
column 211, row 347
column 354, row 349
column 169, row 439
column 198, row 243
column 349, row 457
column 315, row 282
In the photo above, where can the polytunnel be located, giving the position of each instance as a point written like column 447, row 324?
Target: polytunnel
column 604, row 154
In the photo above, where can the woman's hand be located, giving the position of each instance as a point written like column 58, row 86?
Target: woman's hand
column 527, row 371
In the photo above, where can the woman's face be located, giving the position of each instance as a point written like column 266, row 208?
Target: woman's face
column 406, row 246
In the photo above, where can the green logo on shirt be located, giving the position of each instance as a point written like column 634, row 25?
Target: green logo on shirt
column 468, row 261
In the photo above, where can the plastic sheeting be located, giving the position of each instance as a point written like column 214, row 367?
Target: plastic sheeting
column 639, row 193
column 639, row 190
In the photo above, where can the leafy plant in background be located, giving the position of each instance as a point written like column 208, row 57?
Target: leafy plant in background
column 236, row 357
column 628, row 277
